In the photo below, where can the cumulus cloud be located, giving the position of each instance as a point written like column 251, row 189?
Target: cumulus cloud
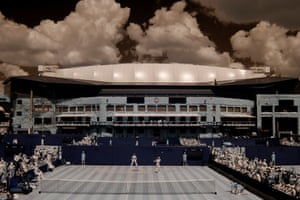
column 9, row 70
column 283, row 13
column 175, row 35
column 87, row 36
column 270, row 45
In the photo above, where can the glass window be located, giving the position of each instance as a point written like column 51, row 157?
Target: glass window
column 202, row 108
column 129, row 108
column 151, row 108
column 244, row 109
column 109, row 108
column 266, row 108
column 230, row 109
column 223, row 109
column 19, row 101
column 141, row 108
column 183, row 108
column 80, row 108
column 237, row 109
column 161, row 108
column 47, row 121
column 72, row 109
column 171, row 108
column 193, row 108
column 47, row 108
column 65, row 109
column 120, row 108
column 38, row 121
column 88, row 108
column 38, row 108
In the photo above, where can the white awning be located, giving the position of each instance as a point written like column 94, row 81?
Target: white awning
column 75, row 115
column 241, row 115
column 156, row 115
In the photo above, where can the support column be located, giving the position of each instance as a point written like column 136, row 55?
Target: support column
column 298, row 120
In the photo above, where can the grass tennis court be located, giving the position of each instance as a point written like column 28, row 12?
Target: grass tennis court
column 123, row 182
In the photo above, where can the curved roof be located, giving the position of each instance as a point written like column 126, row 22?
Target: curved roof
column 154, row 73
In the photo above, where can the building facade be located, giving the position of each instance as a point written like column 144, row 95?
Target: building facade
column 122, row 116
column 278, row 115
column 152, row 100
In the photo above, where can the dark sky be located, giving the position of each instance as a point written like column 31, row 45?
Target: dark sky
column 31, row 12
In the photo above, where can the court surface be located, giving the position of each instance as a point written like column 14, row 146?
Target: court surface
column 166, row 175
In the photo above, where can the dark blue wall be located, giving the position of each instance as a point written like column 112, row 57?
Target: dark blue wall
column 120, row 155
column 123, row 148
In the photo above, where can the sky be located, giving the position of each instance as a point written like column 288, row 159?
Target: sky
column 227, row 33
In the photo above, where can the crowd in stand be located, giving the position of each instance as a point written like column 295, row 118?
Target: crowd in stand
column 289, row 142
column 21, row 173
column 279, row 178
column 190, row 142
column 86, row 141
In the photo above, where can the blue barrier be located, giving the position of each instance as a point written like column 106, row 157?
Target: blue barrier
column 120, row 155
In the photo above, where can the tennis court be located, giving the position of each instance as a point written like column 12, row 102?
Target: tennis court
column 123, row 182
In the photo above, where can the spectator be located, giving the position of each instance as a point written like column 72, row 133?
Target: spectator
column 184, row 159
column 83, row 158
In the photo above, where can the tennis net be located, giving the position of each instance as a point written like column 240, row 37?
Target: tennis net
column 128, row 187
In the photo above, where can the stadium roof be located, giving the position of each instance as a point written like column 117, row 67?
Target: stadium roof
column 154, row 73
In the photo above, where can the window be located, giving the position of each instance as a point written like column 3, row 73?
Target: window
column 88, row 108
column 120, row 108
column 230, row 109
column 19, row 113
column 47, row 108
column 38, row 108
column 129, row 108
column 203, row 118
column 161, row 108
column 193, row 109
column 72, row 109
column 135, row 100
column 177, row 100
column 151, row 108
column 171, row 108
column 244, row 109
column 58, row 109
column 65, row 109
column 109, row 108
column 141, row 108
column 38, row 121
column 47, row 121
column 203, row 108
column 183, row 108
column 223, row 109
column 19, row 101
column 266, row 108
column 237, row 109
column 80, row 108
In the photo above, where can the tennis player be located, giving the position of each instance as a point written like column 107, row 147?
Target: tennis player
column 157, row 164
column 133, row 160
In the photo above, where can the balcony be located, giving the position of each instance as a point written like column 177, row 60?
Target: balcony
column 158, row 123
column 72, row 124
